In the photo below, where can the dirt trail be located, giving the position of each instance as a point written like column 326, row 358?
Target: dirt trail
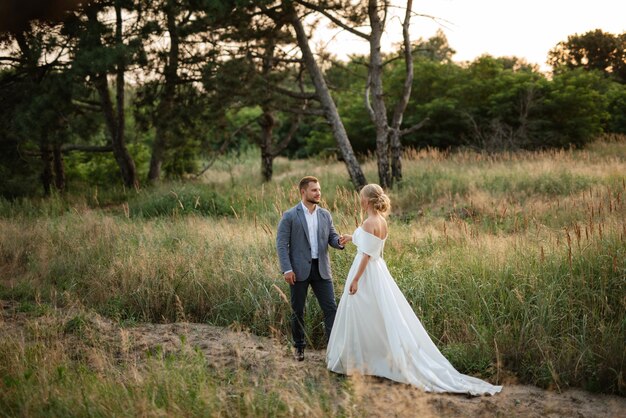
column 386, row 398
column 382, row 398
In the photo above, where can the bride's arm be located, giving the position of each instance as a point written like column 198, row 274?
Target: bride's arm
column 354, row 286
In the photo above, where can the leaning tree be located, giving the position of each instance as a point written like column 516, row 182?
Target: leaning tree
column 349, row 16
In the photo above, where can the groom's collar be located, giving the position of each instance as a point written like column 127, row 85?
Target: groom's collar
column 305, row 209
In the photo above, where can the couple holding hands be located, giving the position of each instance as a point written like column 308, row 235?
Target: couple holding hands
column 374, row 331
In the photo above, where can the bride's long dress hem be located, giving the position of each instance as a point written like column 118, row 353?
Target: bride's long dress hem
column 377, row 333
column 423, row 388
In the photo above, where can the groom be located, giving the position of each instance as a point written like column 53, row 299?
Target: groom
column 304, row 234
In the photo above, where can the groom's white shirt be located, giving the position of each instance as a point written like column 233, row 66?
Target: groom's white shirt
column 312, row 225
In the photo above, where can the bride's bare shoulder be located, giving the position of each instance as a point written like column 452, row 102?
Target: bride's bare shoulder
column 368, row 225
column 377, row 227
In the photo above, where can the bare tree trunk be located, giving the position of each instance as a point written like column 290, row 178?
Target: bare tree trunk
column 156, row 157
column 46, row 172
column 398, row 112
column 166, row 103
column 106, row 103
column 386, row 136
column 267, row 123
column 59, row 168
column 267, row 163
column 115, row 123
column 31, row 57
column 396, row 156
column 374, row 93
column 269, row 149
column 330, row 109
column 122, row 156
column 123, row 159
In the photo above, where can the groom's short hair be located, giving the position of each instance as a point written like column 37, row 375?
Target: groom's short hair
column 304, row 183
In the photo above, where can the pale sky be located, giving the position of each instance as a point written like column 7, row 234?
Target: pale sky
column 524, row 28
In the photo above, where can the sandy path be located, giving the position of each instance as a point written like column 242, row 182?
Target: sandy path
column 385, row 398
column 225, row 347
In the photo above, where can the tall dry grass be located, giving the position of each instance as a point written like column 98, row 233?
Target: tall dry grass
column 514, row 262
column 65, row 363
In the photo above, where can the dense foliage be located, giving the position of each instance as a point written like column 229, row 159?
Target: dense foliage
column 128, row 91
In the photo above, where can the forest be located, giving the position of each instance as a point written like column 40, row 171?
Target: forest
column 136, row 92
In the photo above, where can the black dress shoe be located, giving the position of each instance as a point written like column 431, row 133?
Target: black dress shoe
column 300, row 353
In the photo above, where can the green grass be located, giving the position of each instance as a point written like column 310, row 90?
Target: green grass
column 514, row 262
column 548, row 184
column 178, row 200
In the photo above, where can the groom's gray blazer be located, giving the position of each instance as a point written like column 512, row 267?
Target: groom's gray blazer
column 293, row 244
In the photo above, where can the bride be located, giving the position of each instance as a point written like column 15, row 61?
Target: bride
column 375, row 331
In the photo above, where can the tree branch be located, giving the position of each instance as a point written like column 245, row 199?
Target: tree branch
column 224, row 146
column 435, row 19
column 333, row 19
column 287, row 60
column 368, row 105
column 85, row 148
column 287, row 139
column 12, row 59
column 401, row 55
column 88, row 104
column 294, row 94
column 271, row 12
column 415, row 127
column 294, row 125
column 398, row 112
column 306, row 112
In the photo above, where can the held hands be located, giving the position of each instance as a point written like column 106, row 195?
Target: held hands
column 354, row 286
column 290, row 277
column 345, row 238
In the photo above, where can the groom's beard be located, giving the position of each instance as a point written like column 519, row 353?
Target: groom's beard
column 314, row 201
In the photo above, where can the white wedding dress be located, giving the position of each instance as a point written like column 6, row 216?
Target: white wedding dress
column 377, row 333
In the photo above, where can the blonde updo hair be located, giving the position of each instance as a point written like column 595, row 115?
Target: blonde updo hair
column 377, row 198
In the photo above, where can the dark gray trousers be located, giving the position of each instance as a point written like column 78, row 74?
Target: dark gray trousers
column 323, row 290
